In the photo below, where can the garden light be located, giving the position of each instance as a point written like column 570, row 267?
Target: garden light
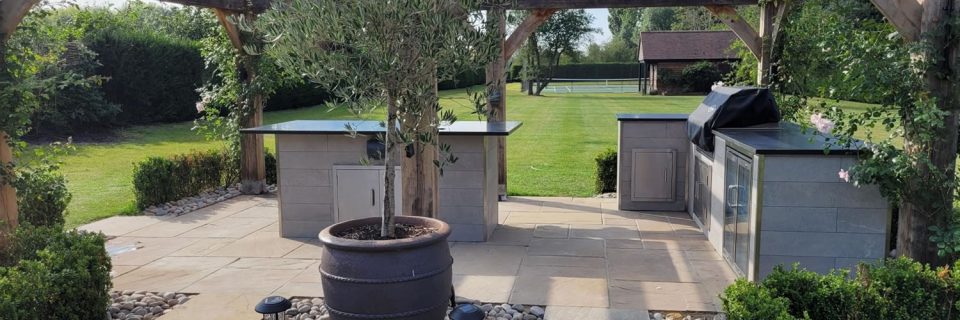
column 467, row 312
column 273, row 308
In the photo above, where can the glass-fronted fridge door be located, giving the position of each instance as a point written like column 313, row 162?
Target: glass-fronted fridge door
column 736, row 211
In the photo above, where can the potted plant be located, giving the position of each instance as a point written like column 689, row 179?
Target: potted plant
column 376, row 54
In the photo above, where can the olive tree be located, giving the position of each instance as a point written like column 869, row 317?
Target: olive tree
column 387, row 54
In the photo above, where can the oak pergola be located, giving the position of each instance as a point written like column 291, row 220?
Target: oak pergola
column 909, row 17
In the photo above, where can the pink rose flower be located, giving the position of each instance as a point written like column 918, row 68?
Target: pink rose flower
column 844, row 175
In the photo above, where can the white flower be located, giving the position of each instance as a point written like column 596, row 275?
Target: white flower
column 822, row 124
column 844, row 175
column 716, row 85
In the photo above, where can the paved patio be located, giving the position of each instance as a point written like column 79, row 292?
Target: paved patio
column 579, row 256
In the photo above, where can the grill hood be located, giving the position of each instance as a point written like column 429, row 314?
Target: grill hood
column 730, row 107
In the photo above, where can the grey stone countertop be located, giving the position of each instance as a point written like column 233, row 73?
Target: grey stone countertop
column 781, row 138
column 652, row 116
column 462, row 128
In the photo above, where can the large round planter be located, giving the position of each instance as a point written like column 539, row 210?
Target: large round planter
column 387, row 279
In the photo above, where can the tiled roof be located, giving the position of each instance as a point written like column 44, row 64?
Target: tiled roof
column 686, row 45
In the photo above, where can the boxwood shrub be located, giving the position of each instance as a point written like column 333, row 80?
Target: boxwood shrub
column 894, row 289
column 606, row 173
column 42, row 196
column 46, row 273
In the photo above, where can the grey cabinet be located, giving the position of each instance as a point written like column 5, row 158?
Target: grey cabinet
column 359, row 192
column 653, row 177
column 736, row 210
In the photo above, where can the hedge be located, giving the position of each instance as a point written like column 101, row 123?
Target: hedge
column 153, row 77
column 463, row 80
column 157, row 180
column 46, row 273
column 894, row 289
column 606, row 172
column 42, row 196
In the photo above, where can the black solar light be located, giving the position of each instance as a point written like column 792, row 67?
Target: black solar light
column 467, row 312
column 273, row 308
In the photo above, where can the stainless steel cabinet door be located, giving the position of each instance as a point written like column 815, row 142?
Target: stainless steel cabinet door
column 736, row 210
column 359, row 194
column 653, row 175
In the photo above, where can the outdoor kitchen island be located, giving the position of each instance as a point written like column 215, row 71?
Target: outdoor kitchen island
column 763, row 191
column 326, row 175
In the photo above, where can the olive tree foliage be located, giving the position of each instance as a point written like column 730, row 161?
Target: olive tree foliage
column 377, row 54
column 843, row 49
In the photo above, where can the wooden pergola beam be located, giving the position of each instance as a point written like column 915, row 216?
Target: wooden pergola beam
column 740, row 27
column 600, row 4
column 904, row 15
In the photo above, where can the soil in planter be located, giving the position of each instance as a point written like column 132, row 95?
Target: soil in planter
column 372, row 232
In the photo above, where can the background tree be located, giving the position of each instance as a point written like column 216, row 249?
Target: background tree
column 658, row 19
column 376, row 54
column 555, row 38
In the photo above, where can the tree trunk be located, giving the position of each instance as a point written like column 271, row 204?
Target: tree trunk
column 389, row 176
column 253, row 175
column 554, row 61
column 8, row 195
column 922, row 209
column 420, row 173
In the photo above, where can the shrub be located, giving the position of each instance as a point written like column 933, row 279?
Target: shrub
column 270, row 162
column 157, row 180
column 747, row 301
column 700, row 76
column 606, row 173
column 42, row 196
column 153, row 76
column 893, row 289
column 52, row 274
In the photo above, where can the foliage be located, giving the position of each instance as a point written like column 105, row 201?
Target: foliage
column 374, row 53
column 42, row 196
column 152, row 76
column 894, row 289
column 60, row 275
column 157, row 180
column 616, row 50
column 658, row 19
column 700, row 76
column 744, row 300
column 558, row 36
column 606, row 172
column 76, row 106
column 270, row 162
column 624, row 24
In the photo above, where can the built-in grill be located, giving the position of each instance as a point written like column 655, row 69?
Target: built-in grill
column 730, row 107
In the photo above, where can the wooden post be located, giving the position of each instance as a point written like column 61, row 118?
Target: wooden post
column 253, row 174
column 497, row 95
column 8, row 195
column 767, row 12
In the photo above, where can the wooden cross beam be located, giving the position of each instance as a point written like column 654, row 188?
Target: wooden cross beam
column 740, row 27
column 905, row 15
column 523, row 31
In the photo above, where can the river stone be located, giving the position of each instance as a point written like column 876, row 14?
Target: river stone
column 537, row 311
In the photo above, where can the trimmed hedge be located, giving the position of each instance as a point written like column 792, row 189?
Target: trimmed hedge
column 606, row 173
column 50, row 274
column 153, row 77
column 42, row 196
column 463, row 80
column 158, row 180
column 893, row 289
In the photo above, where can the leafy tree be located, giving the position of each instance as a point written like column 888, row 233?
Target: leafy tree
column 615, row 50
column 658, row 19
column 695, row 18
column 624, row 24
column 555, row 38
column 374, row 53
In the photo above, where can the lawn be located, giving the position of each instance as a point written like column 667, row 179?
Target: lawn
column 550, row 155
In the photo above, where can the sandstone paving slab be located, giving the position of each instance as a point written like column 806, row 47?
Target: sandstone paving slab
column 259, row 211
column 170, row 273
column 582, row 313
column 552, row 231
column 254, row 281
column 569, row 206
column 520, row 204
column 299, row 289
column 653, row 295
column 493, row 289
column 554, row 217
column 121, row 225
column 564, row 261
column 229, row 228
column 566, row 247
column 512, row 234
column 203, row 247
column 624, row 244
column 220, row 306
column 310, row 274
column 311, row 249
column 258, row 244
column 146, row 249
column 713, row 270
column 273, row 227
column 673, row 242
column 561, row 286
column 272, row 263
column 167, row 228
column 703, row 255
column 484, row 259
column 649, row 265
column 116, row 271
column 604, row 232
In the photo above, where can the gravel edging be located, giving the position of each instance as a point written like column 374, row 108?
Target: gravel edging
column 312, row 308
column 686, row 315
column 200, row 201
column 142, row 305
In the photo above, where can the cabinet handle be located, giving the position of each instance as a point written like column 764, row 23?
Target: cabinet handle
column 373, row 197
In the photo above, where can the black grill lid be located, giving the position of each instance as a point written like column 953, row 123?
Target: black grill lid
column 730, row 107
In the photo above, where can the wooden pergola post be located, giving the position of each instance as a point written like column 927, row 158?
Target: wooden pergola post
column 11, row 14
column 497, row 93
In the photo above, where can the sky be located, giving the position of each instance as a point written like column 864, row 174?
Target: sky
column 599, row 17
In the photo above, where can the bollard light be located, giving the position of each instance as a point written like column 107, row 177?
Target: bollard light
column 273, row 308
column 467, row 312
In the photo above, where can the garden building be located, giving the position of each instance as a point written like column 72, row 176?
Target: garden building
column 664, row 54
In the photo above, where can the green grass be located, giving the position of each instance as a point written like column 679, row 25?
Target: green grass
column 550, row 155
